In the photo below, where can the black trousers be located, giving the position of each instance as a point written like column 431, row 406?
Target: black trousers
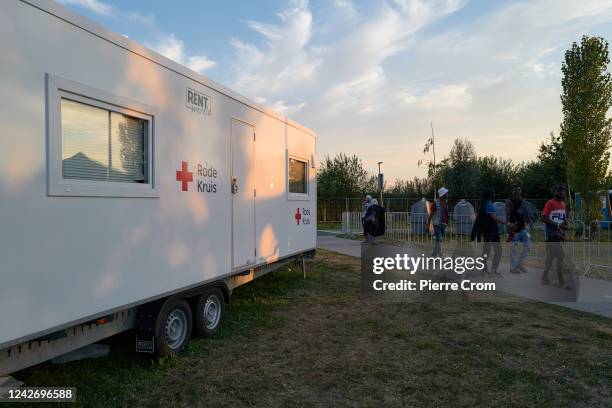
column 554, row 250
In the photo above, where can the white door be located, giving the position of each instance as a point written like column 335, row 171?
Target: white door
column 243, row 194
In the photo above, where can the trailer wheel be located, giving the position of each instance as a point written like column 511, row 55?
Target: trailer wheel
column 173, row 327
column 209, row 312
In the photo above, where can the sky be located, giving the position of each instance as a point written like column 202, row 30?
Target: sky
column 370, row 77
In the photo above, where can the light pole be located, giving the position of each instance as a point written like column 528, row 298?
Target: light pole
column 380, row 184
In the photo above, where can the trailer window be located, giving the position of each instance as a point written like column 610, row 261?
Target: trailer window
column 99, row 144
column 102, row 145
column 298, row 171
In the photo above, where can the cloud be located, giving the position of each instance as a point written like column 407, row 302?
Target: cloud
column 96, row 6
column 454, row 96
column 139, row 18
column 385, row 71
column 168, row 45
column 286, row 58
column 357, row 94
column 533, row 31
column 370, row 76
column 173, row 48
column 340, row 73
column 106, row 10
column 346, row 6
column 200, row 63
column 284, row 108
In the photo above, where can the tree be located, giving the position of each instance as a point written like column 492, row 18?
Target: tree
column 497, row 173
column 432, row 166
column 538, row 177
column 460, row 171
column 553, row 157
column 415, row 188
column 585, row 131
column 344, row 176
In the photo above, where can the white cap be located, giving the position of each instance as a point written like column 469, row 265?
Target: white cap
column 442, row 191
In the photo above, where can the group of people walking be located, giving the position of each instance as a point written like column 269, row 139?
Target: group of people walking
column 520, row 214
column 520, row 217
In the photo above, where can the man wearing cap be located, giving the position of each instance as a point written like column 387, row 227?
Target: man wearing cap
column 439, row 218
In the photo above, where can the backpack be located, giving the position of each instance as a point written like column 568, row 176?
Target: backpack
column 374, row 220
column 484, row 226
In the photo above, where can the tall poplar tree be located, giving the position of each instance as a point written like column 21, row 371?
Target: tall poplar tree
column 585, row 131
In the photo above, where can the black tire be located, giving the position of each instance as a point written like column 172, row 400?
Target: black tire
column 209, row 312
column 173, row 327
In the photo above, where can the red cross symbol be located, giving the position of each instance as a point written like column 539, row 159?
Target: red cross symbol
column 298, row 216
column 184, row 176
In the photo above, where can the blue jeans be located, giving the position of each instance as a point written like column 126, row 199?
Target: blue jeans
column 438, row 235
column 519, row 248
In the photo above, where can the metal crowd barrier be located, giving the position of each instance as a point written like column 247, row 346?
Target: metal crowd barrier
column 599, row 249
column 590, row 247
column 406, row 226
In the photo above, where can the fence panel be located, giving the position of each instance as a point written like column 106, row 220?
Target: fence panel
column 590, row 247
column 599, row 249
column 331, row 209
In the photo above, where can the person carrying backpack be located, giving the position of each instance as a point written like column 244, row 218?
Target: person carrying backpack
column 374, row 221
column 366, row 204
column 485, row 229
column 524, row 207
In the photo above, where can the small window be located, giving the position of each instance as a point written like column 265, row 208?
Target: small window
column 298, row 176
column 102, row 145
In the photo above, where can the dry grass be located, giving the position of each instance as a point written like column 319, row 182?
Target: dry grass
column 289, row 342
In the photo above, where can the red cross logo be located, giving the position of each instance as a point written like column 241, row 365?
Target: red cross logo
column 298, row 216
column 184, row 176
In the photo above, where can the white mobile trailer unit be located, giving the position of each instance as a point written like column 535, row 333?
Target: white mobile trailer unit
column 133, row 191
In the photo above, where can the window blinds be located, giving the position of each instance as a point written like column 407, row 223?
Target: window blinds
column 102, row 145
column 297, row 176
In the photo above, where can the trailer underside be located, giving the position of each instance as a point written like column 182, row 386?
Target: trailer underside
column 41, row 349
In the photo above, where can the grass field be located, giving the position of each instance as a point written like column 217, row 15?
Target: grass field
column 293, row 342
column 329, row 225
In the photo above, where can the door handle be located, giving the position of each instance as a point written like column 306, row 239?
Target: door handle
column 234, row 185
